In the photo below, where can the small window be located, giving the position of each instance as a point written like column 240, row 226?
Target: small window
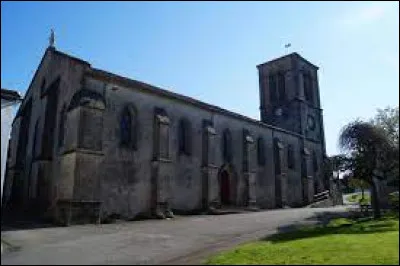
column 290, row 157
column 184, row 137
column 261, row 151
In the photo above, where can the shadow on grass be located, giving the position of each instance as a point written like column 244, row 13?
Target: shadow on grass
column 334, row 223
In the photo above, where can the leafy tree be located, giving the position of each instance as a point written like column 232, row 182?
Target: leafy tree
column 368, row 148
column 388, row 120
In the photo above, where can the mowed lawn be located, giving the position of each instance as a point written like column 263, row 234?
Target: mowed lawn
column 342, row 241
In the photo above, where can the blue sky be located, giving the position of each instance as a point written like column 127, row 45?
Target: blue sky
column 209, row 50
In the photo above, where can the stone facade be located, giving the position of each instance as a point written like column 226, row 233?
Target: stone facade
column 84, row 134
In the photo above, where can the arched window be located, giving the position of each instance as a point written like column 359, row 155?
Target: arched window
column 61, row 132
column 184, row 136
column 260, row 151
column 290, row 157
column 128, row 127
column 227, row 145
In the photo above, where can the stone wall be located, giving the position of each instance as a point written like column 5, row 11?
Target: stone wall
column 125, row 177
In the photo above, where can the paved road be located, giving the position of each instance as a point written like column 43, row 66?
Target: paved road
column 182, row 240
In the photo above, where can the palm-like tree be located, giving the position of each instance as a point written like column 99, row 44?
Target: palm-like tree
column 368, row 148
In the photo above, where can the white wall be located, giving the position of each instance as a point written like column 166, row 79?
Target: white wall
column 7, row 114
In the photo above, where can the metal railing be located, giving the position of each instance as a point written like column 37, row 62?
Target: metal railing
column 321, row 196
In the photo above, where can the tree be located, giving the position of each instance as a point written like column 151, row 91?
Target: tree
column 388, row 120
column 368, row 147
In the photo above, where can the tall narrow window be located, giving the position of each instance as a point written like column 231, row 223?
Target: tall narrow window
column 227, row 146
column 129, row 127
column 290, row 157
column 281, row 87
column 308, row 88
column 61, row 129
column 272, row 87
column 260, row 151
column 184, row 136
column 126, row 127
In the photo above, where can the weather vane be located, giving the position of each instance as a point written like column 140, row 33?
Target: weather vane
column 287, row 47
column 52, row 38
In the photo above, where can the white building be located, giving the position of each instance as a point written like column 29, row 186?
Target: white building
column 9, row 99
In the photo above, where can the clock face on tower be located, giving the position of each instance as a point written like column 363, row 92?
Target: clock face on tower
column 310, row 122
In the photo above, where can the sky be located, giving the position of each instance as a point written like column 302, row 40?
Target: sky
column 209, row 50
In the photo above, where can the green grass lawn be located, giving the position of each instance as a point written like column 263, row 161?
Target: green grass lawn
column 342, row 241
column 356, row 198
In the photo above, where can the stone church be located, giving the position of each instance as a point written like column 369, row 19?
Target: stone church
column 85, row 136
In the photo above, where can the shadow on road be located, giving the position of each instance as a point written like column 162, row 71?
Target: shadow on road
column 18, row 221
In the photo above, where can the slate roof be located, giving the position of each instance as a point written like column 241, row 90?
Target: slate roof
column 10, row 95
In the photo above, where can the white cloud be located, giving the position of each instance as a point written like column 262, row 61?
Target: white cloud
column 364, row 15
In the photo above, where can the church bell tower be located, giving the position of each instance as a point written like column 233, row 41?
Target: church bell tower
column 289, row 96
